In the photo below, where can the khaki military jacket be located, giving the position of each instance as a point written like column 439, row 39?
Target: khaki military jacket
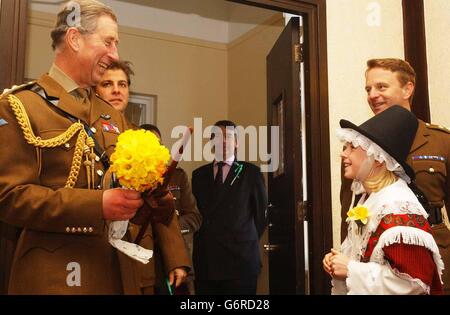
column 189, row 218
column 63, row 230
column 186, row 206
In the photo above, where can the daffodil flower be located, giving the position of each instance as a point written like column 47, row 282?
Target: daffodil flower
column 358, row 213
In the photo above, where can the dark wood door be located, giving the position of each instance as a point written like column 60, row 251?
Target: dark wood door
column 13, row 23
column 285, row 214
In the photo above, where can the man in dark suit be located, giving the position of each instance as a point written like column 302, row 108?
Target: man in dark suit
column 232, row 199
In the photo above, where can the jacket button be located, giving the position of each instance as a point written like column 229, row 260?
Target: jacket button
column 90, row 229
column 431, row 170
column 68, row 229
column 74, row 230
column 85, row 230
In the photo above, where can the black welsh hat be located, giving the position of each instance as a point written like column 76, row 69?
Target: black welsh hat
column 394, row 130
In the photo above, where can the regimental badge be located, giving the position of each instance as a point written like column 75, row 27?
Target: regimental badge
column 3, row 122
column 110, row 127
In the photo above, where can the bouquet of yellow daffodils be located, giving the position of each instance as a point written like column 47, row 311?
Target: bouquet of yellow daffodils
column 139, row 160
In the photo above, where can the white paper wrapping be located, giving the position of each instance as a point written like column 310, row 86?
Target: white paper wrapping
column 117, row 230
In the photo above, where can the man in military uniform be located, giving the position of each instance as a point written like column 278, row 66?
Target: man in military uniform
column 56, row 136
column 114, row 87
column 189, row 217
column 390, row 82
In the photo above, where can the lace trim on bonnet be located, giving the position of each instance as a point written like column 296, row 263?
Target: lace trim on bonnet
column 372, row 149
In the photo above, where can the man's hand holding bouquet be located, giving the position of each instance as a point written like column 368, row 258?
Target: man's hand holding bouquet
column 140, row 163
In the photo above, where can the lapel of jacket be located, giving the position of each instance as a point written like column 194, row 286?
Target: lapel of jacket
column 67, row 102
column 421, row 136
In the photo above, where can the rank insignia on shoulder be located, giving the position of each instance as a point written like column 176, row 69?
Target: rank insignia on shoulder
column 438, row 127
column 428, row 158
column 109, row 127
column 16, row 88
column 3, row 122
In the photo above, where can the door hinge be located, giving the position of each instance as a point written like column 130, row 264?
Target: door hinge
column 298, row 52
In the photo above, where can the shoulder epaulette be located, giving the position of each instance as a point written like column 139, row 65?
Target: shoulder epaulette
column 16, row 88
column 438, row 127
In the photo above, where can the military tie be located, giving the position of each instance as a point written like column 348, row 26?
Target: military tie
column 218, row 181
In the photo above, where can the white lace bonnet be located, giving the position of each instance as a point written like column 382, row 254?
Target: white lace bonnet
column 372, row 149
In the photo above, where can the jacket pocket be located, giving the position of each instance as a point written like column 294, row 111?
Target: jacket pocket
column 441, row 234
column 430, row 166
column 430, row 178
column 31, row 240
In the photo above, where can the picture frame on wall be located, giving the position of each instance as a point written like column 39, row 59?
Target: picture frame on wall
column 141, row 108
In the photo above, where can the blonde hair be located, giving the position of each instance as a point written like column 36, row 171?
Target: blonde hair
column 89, row 11
column 377, row 181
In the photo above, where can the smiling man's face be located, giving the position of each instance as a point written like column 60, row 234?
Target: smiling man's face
column 97, row 51
column 385, row 90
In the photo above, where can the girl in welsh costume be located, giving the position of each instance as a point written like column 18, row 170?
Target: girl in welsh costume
column 389, row 248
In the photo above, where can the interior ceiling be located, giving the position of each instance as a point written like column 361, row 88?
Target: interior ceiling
column 216, row 20
column 213, row 9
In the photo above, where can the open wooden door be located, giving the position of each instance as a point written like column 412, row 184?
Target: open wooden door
column 287, row 265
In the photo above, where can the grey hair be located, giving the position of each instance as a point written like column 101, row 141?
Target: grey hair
column 82, row 14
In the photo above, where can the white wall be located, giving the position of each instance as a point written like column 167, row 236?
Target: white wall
column 437, row 26
column 352, row 40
